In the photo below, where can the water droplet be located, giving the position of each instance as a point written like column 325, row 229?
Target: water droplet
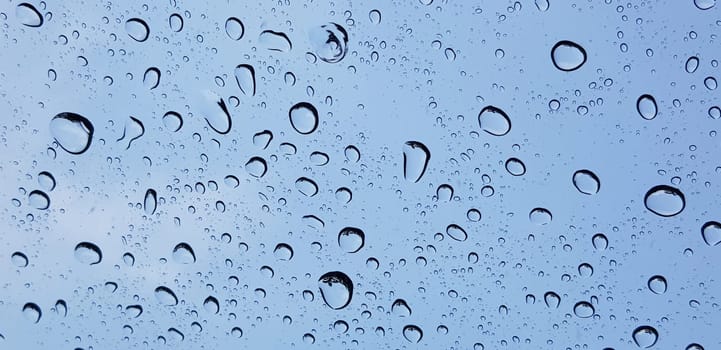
column 183, row 253
column 39, row 200
column 473, row 215
column 585, row 270
column 645, row 336
column 319, row 158
column 134, row 310
column 236, row 332
column 245, row 77
column 176, row 22
column 711, row 233
column 61, row 308
column 487, row 191
column 515, row 167
column 151, row 78
column 150, row 202
column 256, row 167
column 336, row 288
column 303, row 117
column 415, row 160
column 329, row 42
column 542, row 5
column 704, row 4
column 665, row 200
column 694, row 346
column 450, row 54
column 568, row 56
column 262, row 139
column 692, row 64
column 412, row 333
column 46, row 180
column 599, row 241
column 306, row 186
column 133, row 130
column 73, row 132
column 19, row 259
column 714, row 112
column 586, row 182
column 374, row 16
column 234, row 28
column 657, row 284
column 28, row 15
column 352, row 154
column 283, row 252
column 344, row 195
column 340, row 326
column 128, row 259
column 275, row 41
column 552, row 299
column 308, row 338
column 32, row 312
column 456, row 232
column 166, row 296
column 137, row 29
column 400, row 308
column 173, row 121
column 646, row 107
column 211, row 305
column 710, row 83
column 494, row 121
column 540, row 216
column 88, row 253
column 583, row 309
column 351, row 239
column 216, row 112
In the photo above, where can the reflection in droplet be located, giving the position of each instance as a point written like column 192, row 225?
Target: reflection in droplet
column 234, row 28
column 552, row 299
column 256, row 167
column 351, row 239
column 19, row 259
column 303, row 117
column 540, row 216
column 173, row 121
column 166, row 296
column 586, row 182
column 73, row 132
column 151, row 78
column 329, row 42
column 245, row 77
column 275, row 41
column 665, row 200
column 183, row 253
column 137, row 29
column 515, row 167
column 32, row 312
column 412, row 333
column 645, row 336
column 583, row 309
column 568, row 56
column 150, row 201
column 306, row 186
column 336, row 288
column 711, row 233
column 691, row 64
column 494, row 121
column 88, row 253
column 456, row 232
column 657, row 284
column 646, row 107
column 415, row 160
column 28, row 15
column 211, row 305
column 39, row 200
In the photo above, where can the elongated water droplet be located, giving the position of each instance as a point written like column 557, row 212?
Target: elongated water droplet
column 234, row 28
column 665, row 200
column 710, row 83
column 211, row 305
column 306, row 186
column 88, row 253
column 39, row 200
column 657, row 284
column 132, row 131
column 552, row 299
column 711, row 233
column 283, row 252
column 400, row 308
column 336, row 288
column 568, row 56
column 415, row 160
column 151, row 78
column 645, row 336
column 586, row 182
column 166, row 296
column 540, row 216
column 46, row 180
column 691, row 64
column 150, row 202
column 646, row 107
column 173, row 121
column 303, row 117
column 583, row 309
column 412, row 333
column 494, row 121
column 19, row 259
column 515, row 167
column 28, row 15
column 215, row 111
column 176, row 22
column 351, row 239
column 32, row 312
column 456, row 232
column 245, row 77
column 275, row 41
column 256, row 167
column 329, row 42
column 73, row 132
column 137, row 29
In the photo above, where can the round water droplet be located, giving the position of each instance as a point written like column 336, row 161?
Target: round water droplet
column 28, row 15
column 412, row 333
column 46, row 180
column 542, row 5
column 714, row 112
column 665, row 200
column 657, row 284
column 303, row 117
column 691, row 64
column 645, row 336
column 710, row 83
column 234, row 28
column 415, row 160
column 32, row 312
column 256, row 167
column 137, row 29
column 711, row 233
column 73, row 132
column 308, row 338
column 515, row 167
column 473, row 215
column 694, row 346
column 540, row 216
column 329, row 42
column 704, row 4
column 586, row 182
column 245, row 77
column 275, row 41
column 583, row 309
column 646, row 107
column 600, row 242
column 173, row 121
column 88, row 253
column 39, row 200
column 552, row 299
column 456, row 232
column 494, row 121
column 129, row 259
column 151, row 78
column 351, row 239
column 176, row 22
column 236, row 332
column 61, row 308
column 183, row 253
column 166, row 296
column 344, row 195
column 568, row 56
column 150, row 201
column 319, row 158
column 262, row 139
column 211, row 305
column 341, row 326
column 336, row 288
column 19, row 259
column 374, row 16
column 283, row 252
column 306, row 186
column 444, row 193
column 585, row 270
column 400, row 308
column 352, row 154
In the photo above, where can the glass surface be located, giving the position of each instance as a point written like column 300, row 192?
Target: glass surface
column 418, row 174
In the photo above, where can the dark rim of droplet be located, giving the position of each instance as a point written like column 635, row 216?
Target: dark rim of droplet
column 349, row 231
column 638, row 105
column 313, row 111
column 170, row 20
column 670, row 190
column 145, row 25
column 157, row 72
column 252, row 75
column 239, row 22
column 571, row 44
column 517, row 161
column 176, row 115
column 33, row 9
column 659, row 278
column 590, row 174
column 706, row 226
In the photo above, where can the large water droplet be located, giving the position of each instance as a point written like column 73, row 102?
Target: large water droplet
column 586, row 182
column 494, row 121
column 166, row 296
column 552, row 299
column 283, row 252
column 691, row 64
column 303, row 117
column 657, row 284
column 133, row 130
column 645, row 336
column 415, row 160
column 599, row 241
column 704, row 4
column 32, row 312
column 444, row 193
column 234, row 28
column 665, row 200
column 711, row 233
column 306, row 186
column 173, row 121
column 151, row 78
column 245, row 77
column 412, row 333
column 256, row 167
column 211, row 305
column 46, row 180
column 275, row 41
column 583, row 309
column 134, row 310
column 646, row 107
column 216, row 112
column 262, row 139
column 150, row 201
column 568, row 56
column 88, row 253
column 19, row 259
column 183, row 253
column 400, row 308
column 319, row 158
column 28, row 15
column 336, row 288
column 137, row 29
column 515, row 167
column 176, row 22
column 456, row 232
column 39, row 200
column 329, row 42
column 351, row 239
column 73, row 132
column 540, row 216
column 344, row 195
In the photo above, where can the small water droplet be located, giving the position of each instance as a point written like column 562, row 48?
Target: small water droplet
column 134, row 310
column 542, row 5
column 586, row 182
column 351, row 239
column 344, row 195
column 183, row 253
column 303, row 117
column 704, row 4
column 166, row 296
column 694, row 346
column 473, row 215
column 400, row 308
column 176, row 22
column 657, row 284
column 173, row 121
column 73, row 132
column 710, row 83
column 645, row 336
column 665, row 200
column 234, row 28
column 236, row 332
column 88, row 253
column 137, row 29
column 61, row 308
column 46, row 180
column 711, row 233
column 319, row 158
column 215, row 111
column 415, row 160
column 646, row 107
column 494, row 121
column 352, row 154
column 374, row 16
column 568, row 56
column 552, row 299
column 283, row 252
column 336, row 288
column 599, row 241
column 714, row 112
column 133, row 130
column 19, row 259
column 28, row 15
column 412, row 333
